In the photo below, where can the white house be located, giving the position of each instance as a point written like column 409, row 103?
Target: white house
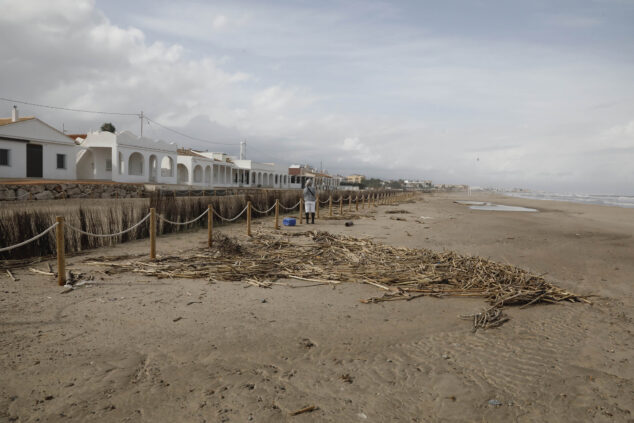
column 124, row 157
column 204, row 171
column 30, row 148
column 264, row 174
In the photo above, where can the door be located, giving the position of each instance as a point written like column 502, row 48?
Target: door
column 33, row 161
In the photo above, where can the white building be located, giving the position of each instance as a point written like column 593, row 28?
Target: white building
column 124, row 157
column 248, row 173
column 29, row 148
column 202, row 170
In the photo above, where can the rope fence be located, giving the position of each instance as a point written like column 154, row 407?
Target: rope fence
column 290, row 208
column 183, row 223
column 147, row 216
column 59, row 225
column 38, row 236
column 232, row 219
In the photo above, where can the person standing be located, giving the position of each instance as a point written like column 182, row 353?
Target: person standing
column 310, row 196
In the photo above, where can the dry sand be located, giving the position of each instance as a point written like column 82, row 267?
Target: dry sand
column 130, row 348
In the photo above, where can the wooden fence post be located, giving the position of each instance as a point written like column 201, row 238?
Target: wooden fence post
column 356, row 202
column 350, row 202
column 341, row 204
column 317, row 205
column 61, row 251
column 152, row 233
column 248, row 218
column 277, row 214
column 210, row 224
column 330, row 206
column 301, row 213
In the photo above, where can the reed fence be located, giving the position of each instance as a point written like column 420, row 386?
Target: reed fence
column 109, row 222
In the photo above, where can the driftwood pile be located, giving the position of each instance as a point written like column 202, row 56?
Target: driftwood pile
column 320, row 257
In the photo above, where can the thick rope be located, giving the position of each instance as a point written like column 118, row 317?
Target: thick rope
column 290, row 208
column 40, row 235
column 235, row 218
column 265, row 211
column 147, row 216
column 183, row 223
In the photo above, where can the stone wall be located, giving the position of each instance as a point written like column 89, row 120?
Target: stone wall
column 10, row 192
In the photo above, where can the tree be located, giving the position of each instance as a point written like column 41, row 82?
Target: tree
column 108, row 127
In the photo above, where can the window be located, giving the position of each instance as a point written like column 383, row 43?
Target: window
column 108, row 165
column 4, row 157
column 61, row 161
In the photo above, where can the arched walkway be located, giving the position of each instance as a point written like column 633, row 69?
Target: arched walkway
column 167, row 167
column 208, row 175
column 198, row 174
column 135, row 164
column 153, row 168
column 182, row 175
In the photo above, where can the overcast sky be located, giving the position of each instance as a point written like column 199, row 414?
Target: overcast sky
column 535, row 94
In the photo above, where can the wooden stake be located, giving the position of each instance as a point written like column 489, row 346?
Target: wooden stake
column 210, row 224
column 356, row 203
column 330, row 206
column 152, row 233
column 362, row 201
column 301, row 214
column 61, row 251
column 350, row 202
column 341, row 204
column 248, row 218
column 317, row 205
column 277, row 214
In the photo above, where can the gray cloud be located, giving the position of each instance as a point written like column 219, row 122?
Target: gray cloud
column 389, row 90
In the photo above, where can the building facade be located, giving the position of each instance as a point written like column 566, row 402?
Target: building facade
column 30, row 148
column 124, row 157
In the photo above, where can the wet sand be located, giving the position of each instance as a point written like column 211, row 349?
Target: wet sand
column 133, row 348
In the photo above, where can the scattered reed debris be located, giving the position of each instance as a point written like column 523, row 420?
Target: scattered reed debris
column 402, row 273
column 398, row 211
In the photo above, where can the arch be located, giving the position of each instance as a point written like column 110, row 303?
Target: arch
column 153, row 168
column 216, row 175
column 167, row 166
column 198, row 173
column 182, row 174
column 285, row 179
column 208, row 175
column 276, row 179
column 135, row 164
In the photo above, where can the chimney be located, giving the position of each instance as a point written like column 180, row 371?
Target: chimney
column 243, row 150
column 15, row 116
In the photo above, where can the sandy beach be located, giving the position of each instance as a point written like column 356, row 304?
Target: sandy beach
column 134, row 348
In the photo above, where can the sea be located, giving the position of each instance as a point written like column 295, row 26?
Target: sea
column 626, row 201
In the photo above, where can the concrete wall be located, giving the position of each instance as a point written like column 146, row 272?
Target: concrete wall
column 17, row 159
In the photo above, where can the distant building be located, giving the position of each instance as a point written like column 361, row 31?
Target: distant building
column 417, row 185
column 355, row 179
column 30, row 148
column 322, row 179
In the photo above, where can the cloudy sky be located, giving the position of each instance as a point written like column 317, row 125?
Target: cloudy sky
column 536, row 94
